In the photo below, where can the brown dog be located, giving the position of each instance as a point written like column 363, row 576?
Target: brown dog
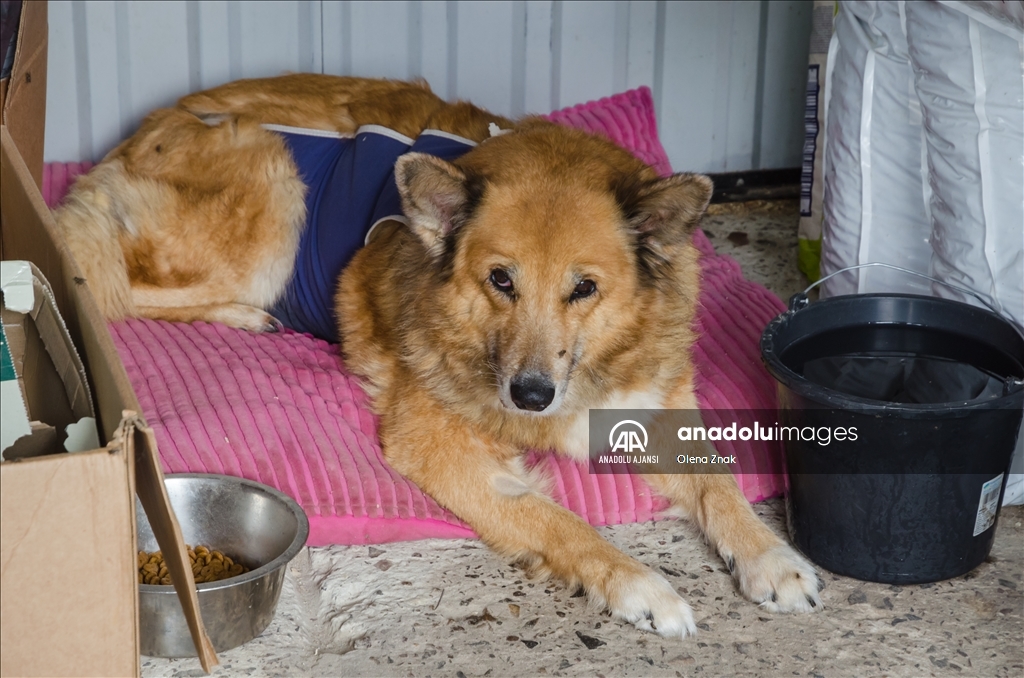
column 543, row 274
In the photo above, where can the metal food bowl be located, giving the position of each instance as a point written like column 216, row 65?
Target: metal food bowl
column 254, row 524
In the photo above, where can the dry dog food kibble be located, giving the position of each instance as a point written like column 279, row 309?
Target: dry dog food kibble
column 207, row 565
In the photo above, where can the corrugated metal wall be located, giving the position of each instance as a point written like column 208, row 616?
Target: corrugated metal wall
column 728, row 77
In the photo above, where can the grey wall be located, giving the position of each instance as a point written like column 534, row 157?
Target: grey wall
column 728, row 77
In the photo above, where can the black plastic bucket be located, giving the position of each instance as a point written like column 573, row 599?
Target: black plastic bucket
column 934, row 390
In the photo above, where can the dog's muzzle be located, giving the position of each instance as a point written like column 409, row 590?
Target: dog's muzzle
column 532, row 391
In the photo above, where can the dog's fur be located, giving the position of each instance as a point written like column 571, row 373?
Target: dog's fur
column 544, row 273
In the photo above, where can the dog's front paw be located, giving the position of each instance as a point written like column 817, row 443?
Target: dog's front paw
column 779, row 579
column 649, row 602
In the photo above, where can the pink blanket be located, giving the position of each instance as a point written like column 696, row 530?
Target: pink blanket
column 281, row 409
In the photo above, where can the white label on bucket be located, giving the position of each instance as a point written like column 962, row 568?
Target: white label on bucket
column 988, row 505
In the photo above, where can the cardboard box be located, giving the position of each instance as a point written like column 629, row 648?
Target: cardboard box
column 67, row 520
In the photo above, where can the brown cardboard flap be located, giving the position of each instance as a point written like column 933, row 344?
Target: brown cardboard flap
column 62, row 350
column 35, row 238
column 57, row 391
column 44, row 392
column 149, row 483
column 69, row 572
column 18, row 203
column 51, row 334
column 42, row 439
column 24, row 110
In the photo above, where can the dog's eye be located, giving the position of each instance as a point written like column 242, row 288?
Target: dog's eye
column 583, row 289
column 501, row 281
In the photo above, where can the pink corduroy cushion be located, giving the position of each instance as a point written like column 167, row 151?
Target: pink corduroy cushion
column 281, row 409
column 627, row 119
column 58, row 177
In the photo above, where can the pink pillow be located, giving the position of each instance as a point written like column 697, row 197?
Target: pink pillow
column 281, row 409
column 627, row 119
column 58, row 177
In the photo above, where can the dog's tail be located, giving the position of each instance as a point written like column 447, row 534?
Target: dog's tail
column 92, row 228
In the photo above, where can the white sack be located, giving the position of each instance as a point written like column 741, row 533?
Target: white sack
column 924, row 161
column 970, row 82
column 873, row 201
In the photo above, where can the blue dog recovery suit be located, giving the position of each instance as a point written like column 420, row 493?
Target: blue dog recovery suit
column 350, row 188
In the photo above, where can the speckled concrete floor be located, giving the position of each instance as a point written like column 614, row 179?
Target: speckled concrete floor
column 452, row 608
column 761, row 236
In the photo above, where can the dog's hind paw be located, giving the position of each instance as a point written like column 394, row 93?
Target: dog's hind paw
column 273, row 325
column 248, row 318
column 648, row 602
column 240, row 316
column 780, row 580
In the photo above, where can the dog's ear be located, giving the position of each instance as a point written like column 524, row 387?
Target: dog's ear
column 436, row 197
column 663, row 214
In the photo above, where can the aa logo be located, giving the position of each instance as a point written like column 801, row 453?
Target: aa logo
column 632, row 437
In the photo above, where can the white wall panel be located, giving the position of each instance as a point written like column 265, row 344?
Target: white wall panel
column 588, row 51
column 212, row 65
column 337, row 41
column 484, row 58
column 640, row 48
column 727, row 76
column 379, row 39
column 434, row 44
column 152, row 58
column 99, row 96
column 737, row 71
column 275, row 37
column 64, row 136
column 784, row 82
column 687, row 120
column 537, row 65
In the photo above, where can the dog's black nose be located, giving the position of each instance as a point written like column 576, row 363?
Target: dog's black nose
column 532, row 392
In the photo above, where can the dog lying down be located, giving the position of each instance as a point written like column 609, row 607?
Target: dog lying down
column 528, row 277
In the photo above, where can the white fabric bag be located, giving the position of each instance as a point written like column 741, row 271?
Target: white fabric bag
column 873, row 202
column 924, row 155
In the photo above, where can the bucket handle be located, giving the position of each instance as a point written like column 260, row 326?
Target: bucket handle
column 800, row 300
